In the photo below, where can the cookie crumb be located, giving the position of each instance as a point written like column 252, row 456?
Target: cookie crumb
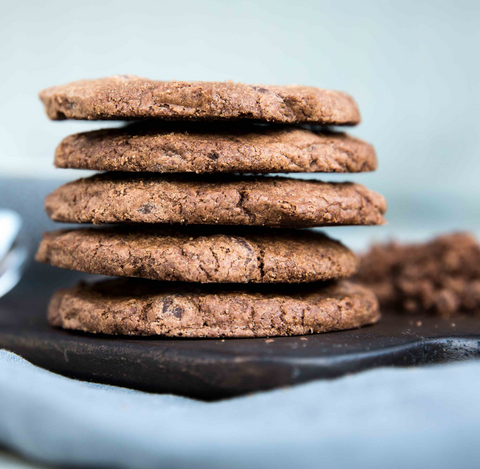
column 303, row 338
column 269, row 341
column 440, row 277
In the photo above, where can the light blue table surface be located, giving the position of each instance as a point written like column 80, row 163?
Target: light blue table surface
column 422, row 417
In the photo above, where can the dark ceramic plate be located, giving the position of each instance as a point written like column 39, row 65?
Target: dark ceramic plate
column 214, row 369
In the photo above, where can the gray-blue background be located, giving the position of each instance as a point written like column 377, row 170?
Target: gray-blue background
column 411, row 65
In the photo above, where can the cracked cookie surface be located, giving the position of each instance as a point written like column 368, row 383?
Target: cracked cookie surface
column 200, row 254
column 255, row 201
column 200, row 148
column 145, row 307
column 131, row 97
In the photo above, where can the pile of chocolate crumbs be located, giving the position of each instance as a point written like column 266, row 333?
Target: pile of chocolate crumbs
column 441, row 277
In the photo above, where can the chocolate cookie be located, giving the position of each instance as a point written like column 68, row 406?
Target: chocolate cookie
column 440, row 277
column 261, row 201
column 130, row 97
column 218, row 149
column 200, row 255
column 144, row 307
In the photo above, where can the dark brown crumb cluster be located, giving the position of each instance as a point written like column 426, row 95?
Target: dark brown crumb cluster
column 441, row 277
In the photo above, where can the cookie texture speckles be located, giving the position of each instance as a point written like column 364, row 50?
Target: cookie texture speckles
column 143, row 307
column 229, row 148
column 131, row 97
column 260, row 201
column 200, row 255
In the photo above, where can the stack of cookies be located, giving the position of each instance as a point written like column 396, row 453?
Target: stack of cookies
column 244, row 266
